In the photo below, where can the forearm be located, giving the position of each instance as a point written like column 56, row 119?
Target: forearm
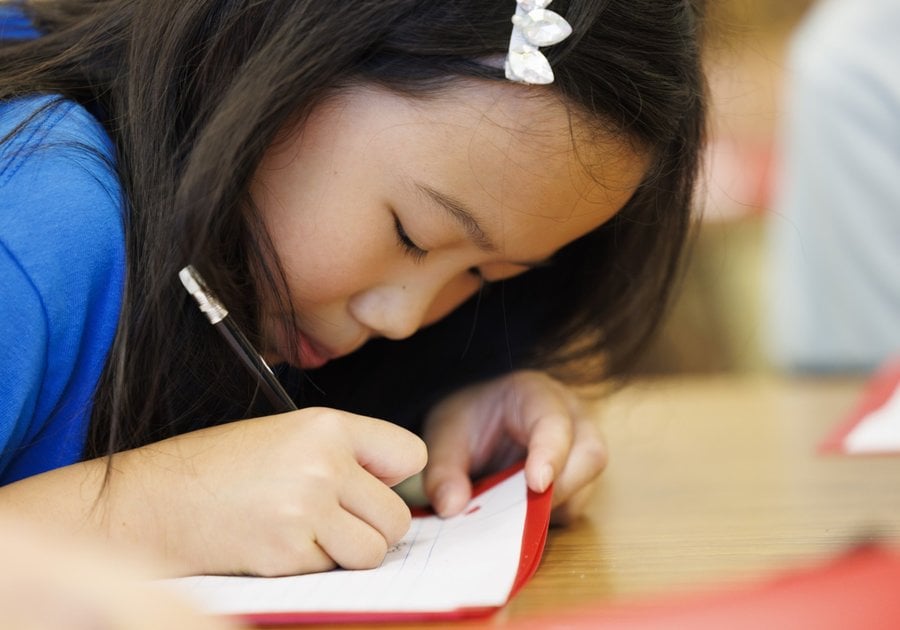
column 66, row 498
column 285, row 494
column 119, row 503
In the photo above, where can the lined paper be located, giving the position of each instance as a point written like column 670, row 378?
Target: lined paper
column 467, row 561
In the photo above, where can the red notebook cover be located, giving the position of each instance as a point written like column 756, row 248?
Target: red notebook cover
column 877, row 392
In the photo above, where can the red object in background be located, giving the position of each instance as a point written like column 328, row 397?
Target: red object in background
column 877, row 392
column 856, row 591
column 739, row 179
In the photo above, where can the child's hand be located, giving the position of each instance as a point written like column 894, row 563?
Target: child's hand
column 295, row 493
column 489, row 426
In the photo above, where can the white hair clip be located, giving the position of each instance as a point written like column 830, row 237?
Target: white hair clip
column 533, row 26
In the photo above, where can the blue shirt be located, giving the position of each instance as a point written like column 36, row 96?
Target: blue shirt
column 15, row 25
column 61, row 275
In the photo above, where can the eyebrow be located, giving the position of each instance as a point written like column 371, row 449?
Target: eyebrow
column 462, row 214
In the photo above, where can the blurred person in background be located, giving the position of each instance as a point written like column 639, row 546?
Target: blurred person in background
column 835, row 231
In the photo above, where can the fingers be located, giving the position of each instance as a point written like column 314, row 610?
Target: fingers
column 549, row 434
column 448, row 489
column 351, row 542
column 329, row 496
column 564, row 447
column 297, row 555
column 566, row 513
column 476, row 431
column 387, row 451
column 575, row 482
column 357, row 529
column 367, row 517
column 348, row 518
column 446, row 477
column 372, row 502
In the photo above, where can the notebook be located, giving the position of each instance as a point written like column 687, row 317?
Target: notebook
column 466, row 566
column 873, row 426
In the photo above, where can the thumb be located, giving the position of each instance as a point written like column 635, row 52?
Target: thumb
column 385, row 450
column 446, row 477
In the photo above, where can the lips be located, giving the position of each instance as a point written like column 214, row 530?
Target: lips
column 312, row 355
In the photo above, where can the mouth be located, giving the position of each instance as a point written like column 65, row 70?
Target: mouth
column 312, row 355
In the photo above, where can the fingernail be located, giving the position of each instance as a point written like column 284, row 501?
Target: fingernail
column 545, row 477
column 448, row 500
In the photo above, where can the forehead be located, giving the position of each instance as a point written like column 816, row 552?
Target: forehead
column 517, row 156
column 531, row 154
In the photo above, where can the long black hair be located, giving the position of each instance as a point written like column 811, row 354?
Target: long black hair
column 193, row 92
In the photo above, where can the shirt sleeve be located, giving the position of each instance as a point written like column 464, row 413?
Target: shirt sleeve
column 23, row 346
column 61, row 278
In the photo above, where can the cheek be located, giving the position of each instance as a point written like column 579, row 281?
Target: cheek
column 322, row 230
column 326, row 255
column 451, row 297
column 318, row 273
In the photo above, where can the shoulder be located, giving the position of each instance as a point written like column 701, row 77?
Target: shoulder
column 23, row 343
column 62, row 263
column 61, row 204
column 47, row 133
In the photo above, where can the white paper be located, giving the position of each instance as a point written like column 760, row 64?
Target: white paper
column 878, row 431
column 470, row 560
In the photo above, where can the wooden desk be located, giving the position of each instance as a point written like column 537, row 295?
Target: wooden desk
column 711, row 481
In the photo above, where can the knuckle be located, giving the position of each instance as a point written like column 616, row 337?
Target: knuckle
column 596, row 455
column 326, row 420
column 399, row 525
column 369, row 554
column 290, row 555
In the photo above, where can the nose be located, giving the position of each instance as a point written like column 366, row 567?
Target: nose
column 397, row 311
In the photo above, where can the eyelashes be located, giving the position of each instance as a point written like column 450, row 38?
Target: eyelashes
column 418, row 254
column 407, row 244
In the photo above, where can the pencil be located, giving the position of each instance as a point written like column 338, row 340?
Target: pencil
column 217, row 315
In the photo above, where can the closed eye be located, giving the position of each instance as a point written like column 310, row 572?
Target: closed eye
column 408, row 246
column 498, row 272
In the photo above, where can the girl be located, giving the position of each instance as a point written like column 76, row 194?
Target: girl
column 413, row 238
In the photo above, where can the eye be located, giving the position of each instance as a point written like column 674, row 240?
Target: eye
column 498, row 272
column 407, row 244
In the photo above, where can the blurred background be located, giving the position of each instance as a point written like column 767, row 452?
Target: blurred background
column 717, row 323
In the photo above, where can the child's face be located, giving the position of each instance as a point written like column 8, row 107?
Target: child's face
column 487, row 182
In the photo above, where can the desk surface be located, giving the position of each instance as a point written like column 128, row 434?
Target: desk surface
column 711, row 481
